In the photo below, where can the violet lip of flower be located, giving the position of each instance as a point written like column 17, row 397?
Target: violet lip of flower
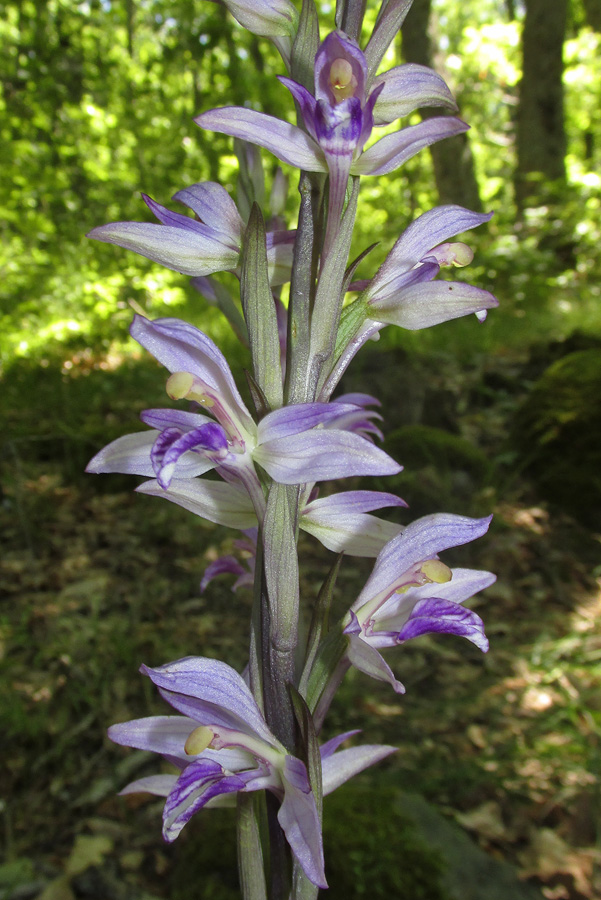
column 195, row 247
column 222, row 745
column 412, row 592
column 340, row 116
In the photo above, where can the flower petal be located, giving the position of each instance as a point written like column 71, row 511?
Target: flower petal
column 216, row 501
column 427, row 231
column 267, row 18
column 351, row 502
column 430, row 303
column 212, row 693
column 129, row 455
column 225, row 565
column 210, row 439
column 299, row 417
column 300, row 822
column 197, row 784
column 345, row 764
column 160, row 785
column 160, row 734
column 181, row 347
column 407, row 88
column 340, row 523
column 184, row 250
column 368, row 660
column 285, row 141
column 213, row 206
column 322, row 455
column 393, row 150
column 421, row 540
column 434, row 615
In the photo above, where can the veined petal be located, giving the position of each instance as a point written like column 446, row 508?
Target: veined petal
column 367, row 659
column 321, row 455
column 129, row 455
column 218, row 694
column 213, row 206
column 300, row 822
column 299, row 417
column 427, row 231
column 393, row 150
column 267, row 18
column 338, row 46
column 216, row 501
column 421, row 540
column 197, row 784
column 184, row 250
column 160, row 785
column 429, row 303
column 329, row 747
column 464, row 583
column 306, row 102
column 357, row 399
column 345, row 764
column 225, row 565
column 210, row 439
column 181, row 347
column 433, row 615
column 356, row 534
column 407, row 88
column 279, row 262
column 168, row 217
column 351, row 502
column 340, row 523
column 173, row 418
column 160, row 734
column 285, row 141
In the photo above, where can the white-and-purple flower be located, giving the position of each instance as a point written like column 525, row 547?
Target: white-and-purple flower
column 405, row 292
column 296, row 444
column 339, row 118
column 412, row 592
column 200, row 246
column 221, row 745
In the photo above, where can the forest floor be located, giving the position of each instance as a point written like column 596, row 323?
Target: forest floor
column 95, row 580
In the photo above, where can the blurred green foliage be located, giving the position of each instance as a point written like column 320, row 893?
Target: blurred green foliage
column 97, row 105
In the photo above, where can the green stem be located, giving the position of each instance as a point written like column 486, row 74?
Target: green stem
column 250, row 853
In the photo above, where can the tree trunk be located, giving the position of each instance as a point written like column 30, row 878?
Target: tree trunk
column 592, row 9
column 541, row 140
column 452, row 158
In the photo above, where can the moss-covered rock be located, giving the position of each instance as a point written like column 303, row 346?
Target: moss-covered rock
column 374, row 851
column 557, row 434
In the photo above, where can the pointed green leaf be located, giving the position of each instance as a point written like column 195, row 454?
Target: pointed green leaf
column 259, row 311
column 305, row 45
column 319, row 620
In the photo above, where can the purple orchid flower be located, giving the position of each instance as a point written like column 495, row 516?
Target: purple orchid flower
column 412, row 592
column 403, row 291
column 222, row 745
column 231, row 565
column 295, row 444
column 339, row 119
column 198, row 246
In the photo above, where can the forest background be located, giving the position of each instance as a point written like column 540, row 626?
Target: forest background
column 97, row 105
